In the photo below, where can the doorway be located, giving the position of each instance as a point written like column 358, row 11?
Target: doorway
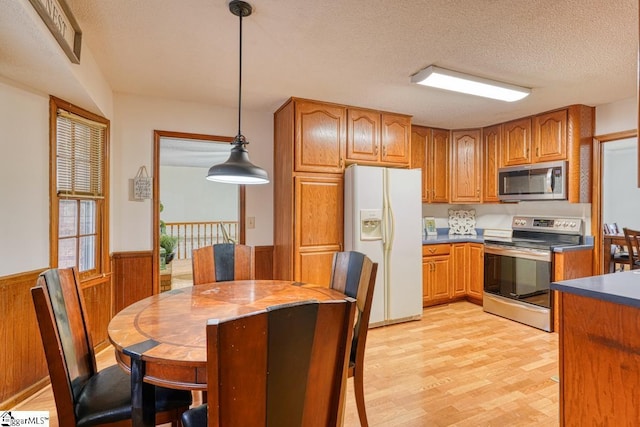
column 615, row 187
column 189, row 210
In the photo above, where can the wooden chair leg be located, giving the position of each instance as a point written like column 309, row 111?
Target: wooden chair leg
column 358, row 387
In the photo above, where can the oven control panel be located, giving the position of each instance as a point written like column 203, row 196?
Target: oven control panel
column 549, row 224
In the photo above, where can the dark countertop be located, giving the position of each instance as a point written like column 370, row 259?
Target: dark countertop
column 446, row 238
column 620, row 288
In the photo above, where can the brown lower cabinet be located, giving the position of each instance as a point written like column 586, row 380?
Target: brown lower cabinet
column 598, row 365
column 436, row 274
column 452, row 272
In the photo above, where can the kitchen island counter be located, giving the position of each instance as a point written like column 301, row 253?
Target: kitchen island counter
column 599, row 349
column 619, row 288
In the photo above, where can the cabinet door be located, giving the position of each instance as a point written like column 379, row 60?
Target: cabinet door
column 491, row 138
column 439, row 165
column 318, row 226
column 550, row 136
column 320, row 137
column 476, row 271
column 460, row 274
column 363, row 135
column 441, row 278
column 427, row 268
column 396, row 139
column 466, row 166
column 516, row 142
column 419, row 137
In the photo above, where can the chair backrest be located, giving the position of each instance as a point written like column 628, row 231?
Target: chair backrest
column 633, row 245
column 284, row 366
column 64, row 330
column 354, row 274
column 223, row 262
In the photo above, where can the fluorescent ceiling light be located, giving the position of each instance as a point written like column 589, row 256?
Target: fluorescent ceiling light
column 458, row 82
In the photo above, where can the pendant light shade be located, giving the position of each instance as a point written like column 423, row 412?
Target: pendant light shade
column 238, row 169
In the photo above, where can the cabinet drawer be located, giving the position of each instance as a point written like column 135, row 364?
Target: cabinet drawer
column 431, row 250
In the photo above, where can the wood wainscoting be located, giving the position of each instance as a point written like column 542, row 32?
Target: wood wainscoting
column 132, row 277
column 264, row 262
column 24, row 368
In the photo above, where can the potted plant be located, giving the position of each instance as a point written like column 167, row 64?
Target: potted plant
column 168, row 243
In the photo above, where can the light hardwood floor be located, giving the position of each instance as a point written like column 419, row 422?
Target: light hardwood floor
column 458, row 366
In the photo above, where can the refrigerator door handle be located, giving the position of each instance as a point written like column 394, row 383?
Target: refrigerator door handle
column 387, row 215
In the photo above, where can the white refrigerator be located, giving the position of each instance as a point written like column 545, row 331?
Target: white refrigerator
column 383, row 220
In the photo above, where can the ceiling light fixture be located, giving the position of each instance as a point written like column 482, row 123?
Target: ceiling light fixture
column 459, row 82
column 238, row 169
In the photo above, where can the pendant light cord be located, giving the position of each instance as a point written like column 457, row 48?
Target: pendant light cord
column 239, row 137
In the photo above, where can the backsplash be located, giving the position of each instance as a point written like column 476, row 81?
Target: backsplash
column 498, row 216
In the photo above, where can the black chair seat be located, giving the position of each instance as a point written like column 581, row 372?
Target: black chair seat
column 106, row 398
column 196, row 417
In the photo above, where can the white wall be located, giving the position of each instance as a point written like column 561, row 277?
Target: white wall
column 498, row 216
column 617, row 116
column 132, row 146
column 621, row 195
column 24, row 180
column 188, row 197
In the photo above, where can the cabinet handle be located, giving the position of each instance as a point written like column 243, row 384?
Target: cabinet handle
column 538, row 151
column 375, row 151
column 341, row 163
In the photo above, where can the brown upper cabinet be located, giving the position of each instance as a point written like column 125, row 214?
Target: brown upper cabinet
column 396, row 139
column 363, row 135
column 550, row 136
column 320, row 132
column 492, row 142
column 466, row 166
column 375, row 137
column 311, row 140
column 431, row 152
column 536, row 139
column 516, row 142
column 564, row 134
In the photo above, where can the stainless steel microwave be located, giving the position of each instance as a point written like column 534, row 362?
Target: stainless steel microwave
column 541, row 181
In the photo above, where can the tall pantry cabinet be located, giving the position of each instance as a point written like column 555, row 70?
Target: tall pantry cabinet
column 309, row 153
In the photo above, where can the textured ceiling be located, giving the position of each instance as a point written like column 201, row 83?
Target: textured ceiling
column 361, row 52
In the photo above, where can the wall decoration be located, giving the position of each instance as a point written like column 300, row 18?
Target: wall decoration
column 462, row 221
column 142, row 185
column 60, row 21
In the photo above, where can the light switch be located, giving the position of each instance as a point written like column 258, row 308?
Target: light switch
column 251, row 222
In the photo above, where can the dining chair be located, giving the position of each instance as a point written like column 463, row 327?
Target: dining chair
column 619, row 257
column 83, row 395
column 633, row 245
column 223, row 262
column 283, row 366
column 354, row 274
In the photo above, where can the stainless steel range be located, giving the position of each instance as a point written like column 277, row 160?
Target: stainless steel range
column 519, row 269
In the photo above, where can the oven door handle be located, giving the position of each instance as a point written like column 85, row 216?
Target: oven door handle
column 518, row 253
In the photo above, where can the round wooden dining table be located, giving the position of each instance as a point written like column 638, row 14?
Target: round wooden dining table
column 168, row 331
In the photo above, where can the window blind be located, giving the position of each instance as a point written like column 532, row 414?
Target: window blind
column 80, row 156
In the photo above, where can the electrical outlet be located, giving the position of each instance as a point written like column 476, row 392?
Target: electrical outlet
column 251, row 222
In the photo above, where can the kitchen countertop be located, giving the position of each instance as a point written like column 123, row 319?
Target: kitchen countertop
column 467, row 238
column 620, row 288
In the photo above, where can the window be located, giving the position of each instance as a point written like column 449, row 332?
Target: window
column 79, row 144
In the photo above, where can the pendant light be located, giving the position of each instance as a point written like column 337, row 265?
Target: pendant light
column 238, row 169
